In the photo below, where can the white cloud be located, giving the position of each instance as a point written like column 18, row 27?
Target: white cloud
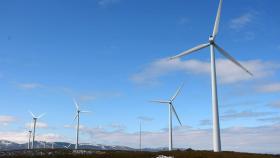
column 29, row 86
column 86, row 97
column 205, row 122
column 22, row 137
column 5, row 120
column 242, row 21
column 270, row 119
column 117, row 126
column 68, row 126
column 105, row 3
column 244, row 114
column 38, row 125
column 275, row 104
column 269, row 88
column 144, row 118
column 227, row 72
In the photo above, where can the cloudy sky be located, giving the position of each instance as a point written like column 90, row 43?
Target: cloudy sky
column 111, row 56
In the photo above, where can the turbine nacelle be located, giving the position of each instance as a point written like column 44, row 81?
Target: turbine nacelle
column 211, row 40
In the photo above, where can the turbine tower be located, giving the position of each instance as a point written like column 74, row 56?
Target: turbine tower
column 29, row 139
column 171, row 110
column 77, row 116
column 35, row 118
column 213, row 45
column 140, row 135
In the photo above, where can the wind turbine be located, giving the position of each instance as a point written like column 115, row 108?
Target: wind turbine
column 29, row 138
column 213, row 45
column 140, row 135
column 77, row 116
column 171, row 110
column 67, row 146
column 35, row 118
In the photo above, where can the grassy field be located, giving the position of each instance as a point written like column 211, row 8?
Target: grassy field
column 128, row 154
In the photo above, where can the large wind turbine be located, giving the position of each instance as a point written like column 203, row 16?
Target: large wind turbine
column 213, row 45
column 171, row 110
column 77, row 116
column 35, row 118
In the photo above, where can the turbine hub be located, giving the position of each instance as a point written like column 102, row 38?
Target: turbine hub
column 211, row 40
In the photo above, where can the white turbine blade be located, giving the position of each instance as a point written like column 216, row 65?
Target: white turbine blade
column 173, row 109
column 75, row 117
column 201, row 46
column 227, row 55
column 159, row 101
column 85, row 111
column 76, row 104
column 41, row 115
column 31, row 114
column 177, row 92
column 217, row 21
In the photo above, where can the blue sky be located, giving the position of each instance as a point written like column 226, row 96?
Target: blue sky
column 110, row 55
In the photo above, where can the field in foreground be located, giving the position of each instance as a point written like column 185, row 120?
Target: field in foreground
column 60, row 153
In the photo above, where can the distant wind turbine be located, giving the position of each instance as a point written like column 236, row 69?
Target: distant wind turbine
column 35, row 118
column 171, row 110
column 140, row 135
column 77, row 116
column 67, row 146
column 141, row 120
column 213, row 45
column 29, row 139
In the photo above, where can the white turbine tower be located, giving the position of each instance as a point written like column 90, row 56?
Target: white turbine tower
column 77, row 116
column 140, row 135
column 35, row 118
column 213, row 45
column 29, row 138
column 171, row 110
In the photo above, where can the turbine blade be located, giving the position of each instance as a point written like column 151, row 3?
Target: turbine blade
column 41, row 115
column 76, row 104
column 187, row 52
column 174, row 111
column 177, row 92
column 227, row 55
column 85, row 111
column 31, row 113
column 159, row 101
column 75, row 117
column 217, row 21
